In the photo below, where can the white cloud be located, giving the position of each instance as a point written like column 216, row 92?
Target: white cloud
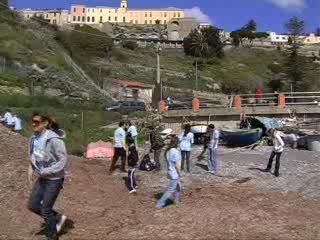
column 289, row 3
column 197, row 13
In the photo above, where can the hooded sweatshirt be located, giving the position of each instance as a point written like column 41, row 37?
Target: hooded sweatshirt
column 48, row 155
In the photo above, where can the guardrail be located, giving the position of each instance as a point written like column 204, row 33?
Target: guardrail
column 247, row 100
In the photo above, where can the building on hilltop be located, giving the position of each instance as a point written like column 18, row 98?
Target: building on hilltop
column 82, row 14
column 57, row 17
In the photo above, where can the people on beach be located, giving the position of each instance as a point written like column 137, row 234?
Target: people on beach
column 7, row 119
column 278, row 146
column 133, row 159
column 213, row 160
column 133, row 131
column 186, row 139
column 119, row 148
column 206, row 140
column 157, row 143
column 48, row 163
column 17, row 123
column 173, row 171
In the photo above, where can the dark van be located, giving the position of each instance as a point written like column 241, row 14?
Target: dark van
column 126, row 107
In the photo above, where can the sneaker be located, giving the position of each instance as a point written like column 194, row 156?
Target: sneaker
column 133, row 191
column 136, row 187
column 61, row 223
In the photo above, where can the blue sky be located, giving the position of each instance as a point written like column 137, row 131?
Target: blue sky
column 227, row 14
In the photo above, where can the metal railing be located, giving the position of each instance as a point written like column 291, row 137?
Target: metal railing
column 252, row 100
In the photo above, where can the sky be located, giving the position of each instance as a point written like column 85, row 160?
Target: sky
column 270, row 15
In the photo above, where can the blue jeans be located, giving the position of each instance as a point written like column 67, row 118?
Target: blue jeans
column 173, row 187
column 185, row 157
column 213, row 160
column 42, row 198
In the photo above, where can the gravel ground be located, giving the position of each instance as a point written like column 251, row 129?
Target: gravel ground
column 240, row 203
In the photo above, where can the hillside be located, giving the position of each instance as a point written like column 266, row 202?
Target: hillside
column 33, row 63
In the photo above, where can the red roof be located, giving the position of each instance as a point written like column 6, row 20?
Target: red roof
column 131, row 83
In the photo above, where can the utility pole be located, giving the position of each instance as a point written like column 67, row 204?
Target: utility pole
column 159, row 81
column 196, row 74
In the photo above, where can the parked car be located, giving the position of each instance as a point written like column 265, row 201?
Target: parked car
column 126, row 107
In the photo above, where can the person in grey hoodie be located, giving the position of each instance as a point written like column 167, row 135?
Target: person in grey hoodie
column 48, row 163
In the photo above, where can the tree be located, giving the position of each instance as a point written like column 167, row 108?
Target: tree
column 204, row 44
column 317, row 32
column 3, row 5
column 295, row 64
column 251, row 26
column 295, row 27
column 290, row 41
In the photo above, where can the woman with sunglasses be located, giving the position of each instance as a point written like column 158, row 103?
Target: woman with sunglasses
column 48, row 162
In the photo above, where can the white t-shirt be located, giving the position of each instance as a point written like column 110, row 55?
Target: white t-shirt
column 8, row 119
column 186, row 141
column 17, row 124
column 133, row 130
column 119, row 138
column 214, row 139
column 173, row 156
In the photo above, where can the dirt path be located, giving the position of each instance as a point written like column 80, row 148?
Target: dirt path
column 101, row 208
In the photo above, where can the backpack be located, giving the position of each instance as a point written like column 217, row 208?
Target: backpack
column 146, row 164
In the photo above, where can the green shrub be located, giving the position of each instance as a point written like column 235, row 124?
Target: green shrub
column 132, row 45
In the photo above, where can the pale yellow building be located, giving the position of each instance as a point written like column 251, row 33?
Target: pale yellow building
column 57, row 17
column 83, row 14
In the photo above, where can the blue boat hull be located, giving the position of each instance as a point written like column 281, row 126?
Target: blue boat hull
column 241, row 138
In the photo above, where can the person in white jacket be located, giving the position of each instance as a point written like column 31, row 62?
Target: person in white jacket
column 186, row 140
column 278, row 145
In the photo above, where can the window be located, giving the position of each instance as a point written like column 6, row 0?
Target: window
column 74, row 18
column 88, row 9
column 88, row 19
column 136, row 21
column 101, row 10
column 83, row 19
column 116, row 19
column 179, row 15
column 150, row 14
column 47, row 16
column 93, row 19
column 109, row 18
column 277, row 38
column 93, row 10
column 150, row 21
column 84, row 10
column 165, row 14
column 54, row 22
column 29, row 16
column 146, row 21
column 165, row 21
column 78, row 18
column 284, row 38
column 131, row 21
column 124, row 19
column 175, row 15
column 75, row 9
column 146, row 14
column 55, row 14
column 100, row 19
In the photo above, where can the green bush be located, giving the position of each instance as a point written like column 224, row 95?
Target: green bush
column 132, row 45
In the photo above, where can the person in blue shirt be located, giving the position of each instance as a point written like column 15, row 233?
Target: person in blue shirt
column 17, row 123
column 173, row 172
column 214, row 164
column 119, row 148
column 186, row 139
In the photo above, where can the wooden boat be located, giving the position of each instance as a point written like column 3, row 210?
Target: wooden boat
column 241, row 137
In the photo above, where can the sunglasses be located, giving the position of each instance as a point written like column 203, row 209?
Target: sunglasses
column 36, row 122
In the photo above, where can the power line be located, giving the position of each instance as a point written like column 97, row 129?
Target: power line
column 43, row 21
